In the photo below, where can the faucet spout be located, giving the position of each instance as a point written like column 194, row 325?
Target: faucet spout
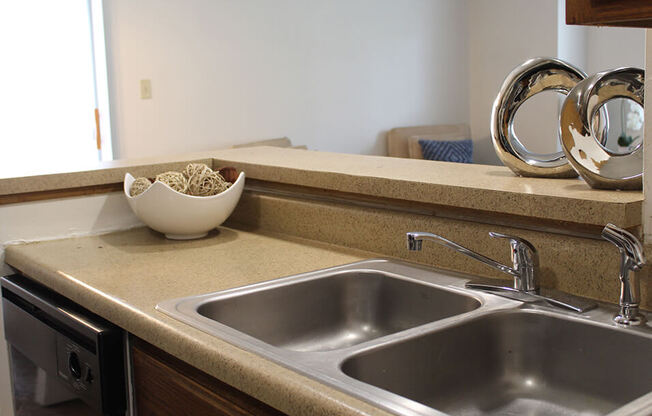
column 415, row 241
column 525, row 271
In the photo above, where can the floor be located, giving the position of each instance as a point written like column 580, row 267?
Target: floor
column 24, row 377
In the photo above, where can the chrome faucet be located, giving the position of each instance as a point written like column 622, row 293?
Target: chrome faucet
column 631, row 259
column 525, row 258
column 524, row 270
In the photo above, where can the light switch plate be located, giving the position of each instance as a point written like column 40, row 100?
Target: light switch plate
column 145, row 89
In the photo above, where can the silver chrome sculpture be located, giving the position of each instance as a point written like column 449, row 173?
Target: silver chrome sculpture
column 530, row 78
column 600, row 167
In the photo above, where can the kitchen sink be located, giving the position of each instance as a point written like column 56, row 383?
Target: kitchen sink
column 414, row 341
column 513, row 363
column 334, row 310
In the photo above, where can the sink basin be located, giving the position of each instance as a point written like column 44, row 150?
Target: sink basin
column 414, row 341
column 513, row 363
column 334, row 310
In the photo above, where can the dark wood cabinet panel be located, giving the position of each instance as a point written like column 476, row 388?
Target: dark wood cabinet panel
column 165, row 385
column 629, row 13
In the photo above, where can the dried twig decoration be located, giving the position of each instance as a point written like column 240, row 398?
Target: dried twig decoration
column 174, row 180
column 139, row 186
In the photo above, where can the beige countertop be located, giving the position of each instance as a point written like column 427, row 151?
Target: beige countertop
column 493, row 189
column 123, row 275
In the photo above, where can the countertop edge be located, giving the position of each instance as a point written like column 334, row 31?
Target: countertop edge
column 487, row 188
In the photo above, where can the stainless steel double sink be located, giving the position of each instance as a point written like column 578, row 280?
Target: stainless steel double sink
column 414, row 341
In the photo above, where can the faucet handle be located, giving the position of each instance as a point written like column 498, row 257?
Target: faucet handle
column 631, row 250
column 525, row 260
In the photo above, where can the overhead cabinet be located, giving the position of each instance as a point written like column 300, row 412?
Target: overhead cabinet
column 627, row 13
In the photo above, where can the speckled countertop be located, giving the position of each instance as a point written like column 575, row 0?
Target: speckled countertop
column 123, row 275
column 493, row 189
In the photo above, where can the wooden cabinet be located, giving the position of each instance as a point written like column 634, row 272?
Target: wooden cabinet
column 164, row 385
column 630, row 13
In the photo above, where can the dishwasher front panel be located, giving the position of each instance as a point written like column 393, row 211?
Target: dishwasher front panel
column 80, row 349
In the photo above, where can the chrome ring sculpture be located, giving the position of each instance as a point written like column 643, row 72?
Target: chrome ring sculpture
column 532, row 77
column 600, row 167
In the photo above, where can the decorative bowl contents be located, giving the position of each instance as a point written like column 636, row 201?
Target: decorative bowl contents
column 185, row 205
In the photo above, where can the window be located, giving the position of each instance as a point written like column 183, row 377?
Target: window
column 52, row 80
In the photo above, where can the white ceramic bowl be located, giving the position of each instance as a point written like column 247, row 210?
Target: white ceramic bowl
column 180, row 216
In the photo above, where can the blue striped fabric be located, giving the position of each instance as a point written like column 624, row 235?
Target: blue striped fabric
column 447, row 151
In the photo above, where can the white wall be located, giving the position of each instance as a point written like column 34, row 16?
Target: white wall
column 59, row 218
column 613, row 47
column 502, row 35
column 334, row 75
column 572, row 40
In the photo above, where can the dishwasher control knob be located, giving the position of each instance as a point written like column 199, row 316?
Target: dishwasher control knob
column 89, row 375
column 74, row 366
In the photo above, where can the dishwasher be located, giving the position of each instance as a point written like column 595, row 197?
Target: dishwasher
column 76, row 354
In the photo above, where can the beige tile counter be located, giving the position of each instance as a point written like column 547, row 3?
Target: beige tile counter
column 123, row 275
column 96, row 174
column 491, row 189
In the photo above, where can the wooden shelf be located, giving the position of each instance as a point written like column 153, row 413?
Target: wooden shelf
column 627, row 13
